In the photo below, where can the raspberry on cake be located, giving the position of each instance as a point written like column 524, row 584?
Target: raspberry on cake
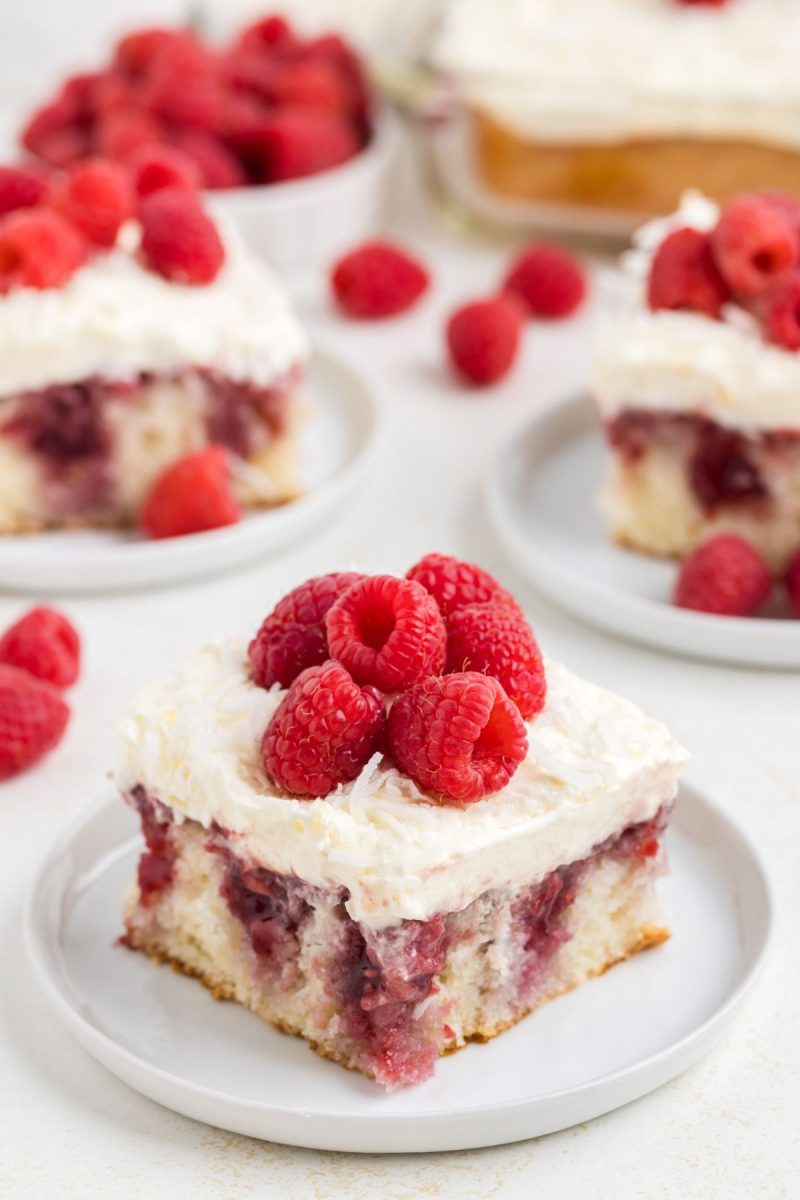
column 391, row 887
column 697, row 381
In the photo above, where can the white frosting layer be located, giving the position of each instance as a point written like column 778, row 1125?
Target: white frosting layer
column 115, row 318
column 687, row 362
column 596, row 765
column 569, row 70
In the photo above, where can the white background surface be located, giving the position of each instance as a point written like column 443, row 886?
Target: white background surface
column 728, row 1129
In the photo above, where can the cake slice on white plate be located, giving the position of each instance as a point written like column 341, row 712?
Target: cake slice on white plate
column 389, row 860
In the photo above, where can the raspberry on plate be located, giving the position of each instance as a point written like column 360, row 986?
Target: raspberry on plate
column 498, row 641
column 458, row 736
column 755, row 243
column 21, row 187
column 45, row 644
column 726, row 576
column 684, row 275
column 38, row 249
column 96, row 197
column 191, row 496
column 295, row 142
column 387, row 632
column 293, row 636
column 155, row 167
column 483, row 339
column 33, row 717
column 547, row 280
column 793, row 582
column 454, row 584
column 782, row 315
column 323, row 733
column 179, row 240
column 378, row 279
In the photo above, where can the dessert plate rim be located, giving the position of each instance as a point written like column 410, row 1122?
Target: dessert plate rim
column 428, row 1129
column 749, row 641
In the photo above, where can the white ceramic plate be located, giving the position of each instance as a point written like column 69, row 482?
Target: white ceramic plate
column 542, row 495
column 339, row 442
column 601, row 1046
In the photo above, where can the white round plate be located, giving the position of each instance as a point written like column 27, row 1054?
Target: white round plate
column 603, row 1045
column 542, row 495
column 339, row 442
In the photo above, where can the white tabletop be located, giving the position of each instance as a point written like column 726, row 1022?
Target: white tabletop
column 726, row 1129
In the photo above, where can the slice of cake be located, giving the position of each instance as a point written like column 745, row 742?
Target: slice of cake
column 386, row 857
column 144, row 350
column 698, row 380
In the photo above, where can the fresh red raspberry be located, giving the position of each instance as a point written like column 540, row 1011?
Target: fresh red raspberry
column 20, row 187
column 793, row 582
column 192, row 495
column 59, row 116
column 498, row 641
column 454, row 584
column 96, row 197
column 388, row 632
column 38, row 249
column 136, row 53
column 218, row 167
column 547, row 281
column 120, row 132
column 378, row 279
column 725, row 575
column 458, row 736
column 295, row 142
column 269, row 35
column 483, row 339
column 179, row 241
column 684, row 275
column 323, row 733
column 293, row 636
column 782, row 315
column 181, row 85
column 112, row 92
column 45, row 644
column 156, row 167
column 315, row 85
column 33, row 717
column 754, row 244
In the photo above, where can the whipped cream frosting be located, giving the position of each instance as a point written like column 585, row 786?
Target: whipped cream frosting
column 596, row 764
column 604, row 70
column 687, row 362
column 114, row 319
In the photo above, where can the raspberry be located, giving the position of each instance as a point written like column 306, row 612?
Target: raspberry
column 293, row 636
column 324, row 731
column 65, row 147
column 314, row 85
column 21, row 187
column 547, row 281
column 218, row 167
column 59, row 116
column 483, row 339
column 192, row 495
column 96, row 198
column 754, row 244
column 498, row 641
column 454, row 584
column 683, row 275
column 119, row 133
column 388, row 632
column 181, row 84
column 179, row 240
column 295, row 142
column 782, row 316
column 793, row 582
column 156, row 167
column 725, row 575
column 44, row 644
column 33, row 717
column 378, row 279
column 272, row 34
column 38, row 249
column 136, row 53
column 459, row 736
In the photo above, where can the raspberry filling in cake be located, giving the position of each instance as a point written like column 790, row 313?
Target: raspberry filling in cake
column 392, row 874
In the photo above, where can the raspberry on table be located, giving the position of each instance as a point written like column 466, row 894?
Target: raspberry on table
column 179, row 240
column 33, row 717
column 155, row 167
column 782, row 314
column 497, row 640
column 323, row 733
column 38, row 249
column 458, row 736
column 293, row 143
column 792, row 579
column 191, row 496
column 96, row 197
column 454, row 584
column 378, row 279
column 754, row 244
column 724, row 575
column 45, row 644
column 21, row 187
column 684, row 275
column 387, row 632
column 547, row 281
column 483, row 339
column 293, row 636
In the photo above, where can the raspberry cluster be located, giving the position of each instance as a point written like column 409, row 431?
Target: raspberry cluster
column 727, row 576
column 269, row 107
column 446, row 651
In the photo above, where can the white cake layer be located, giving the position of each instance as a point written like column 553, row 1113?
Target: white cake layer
column 596, row 764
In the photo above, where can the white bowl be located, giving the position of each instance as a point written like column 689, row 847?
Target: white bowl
column 304, row 224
